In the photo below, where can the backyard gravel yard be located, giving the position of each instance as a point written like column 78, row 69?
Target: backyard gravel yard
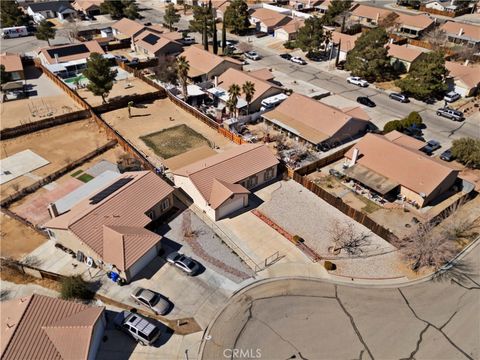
column 302, row 213
column 204, row 245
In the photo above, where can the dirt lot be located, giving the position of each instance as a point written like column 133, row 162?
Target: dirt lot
column 130, row 86
column 161, row 114
column 34, row 206
column 174, row 141
column 59, row 145
column 16, row 239
column 18, row 112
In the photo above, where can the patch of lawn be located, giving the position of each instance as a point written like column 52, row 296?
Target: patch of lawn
column 85, row 177
column 76, row 173
column 370, row 206
column 173, row 141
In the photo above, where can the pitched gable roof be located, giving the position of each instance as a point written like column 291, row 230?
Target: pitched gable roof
column 126, row 206
column 371, row 12
column 152, row 41
column 202, row 62
column 57, row 6
column 71, row 52
column 402, row 164
column 128, row 27
column 311, row 119
column 234, row 76
column 214, row 176
column 269, row 17
column 404, row 52
column 469, row 75
column 47, row 328
column 420, row 21
column 12, row 62
column 347, row 42
column 458, row 29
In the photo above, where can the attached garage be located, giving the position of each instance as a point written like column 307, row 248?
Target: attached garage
column 142, row 262
column 236, row 203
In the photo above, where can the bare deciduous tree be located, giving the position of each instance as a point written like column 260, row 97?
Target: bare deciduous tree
column 457, row 226
column 437, row 38
column 346, row 237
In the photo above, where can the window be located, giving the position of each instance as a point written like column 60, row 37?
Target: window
column 151, row 214
column 269, row 173
column 165, row 204
column 252, row 181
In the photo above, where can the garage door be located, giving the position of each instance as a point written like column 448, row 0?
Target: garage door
column 230, row 206
column 142, row 262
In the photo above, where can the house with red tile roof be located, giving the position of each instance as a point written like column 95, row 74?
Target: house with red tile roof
column 316, row 123
column 221, row 184
column 110, row 226
column 42, row 327
column 463, row 79
column 462, row 33
column 413, row 26
column 13, row 65
column 370, row 16
column 343, row 44
column 289, row 31
column 403, row 56
column 266, row 20
column 393, row 166
column 156, row 45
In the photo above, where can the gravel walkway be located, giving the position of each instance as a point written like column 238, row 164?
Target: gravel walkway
column 206, row 247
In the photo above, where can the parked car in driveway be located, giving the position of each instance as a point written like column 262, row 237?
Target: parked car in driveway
column 355, row 80
column 451, row 96
column 286, row 56
column 431, row 146
column 450, row 114
column 140, row 328
column 447, row 155
column 365, row 101
column 152, row 300
column 252, row 55
column 188, row 40
column 298, row 60
column 184, row 263
column 399, row 97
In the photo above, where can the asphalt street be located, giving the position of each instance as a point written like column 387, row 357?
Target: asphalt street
column 308, row 319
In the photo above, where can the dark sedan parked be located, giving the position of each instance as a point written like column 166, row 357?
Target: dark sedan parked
column 286, row 56
column 365, row 101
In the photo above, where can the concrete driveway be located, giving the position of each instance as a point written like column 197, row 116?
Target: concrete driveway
column 304, row 319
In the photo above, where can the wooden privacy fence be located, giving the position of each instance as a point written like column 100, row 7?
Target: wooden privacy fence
column 338, row 203
column 30, row 270
column 115, row 104
column 28, row 128
column 54, row 176
column 446, row 13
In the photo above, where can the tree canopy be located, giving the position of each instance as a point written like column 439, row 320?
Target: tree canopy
column 100, row 75
column 11, row 15
column 413, row 118
column 236, row 17
column 171, row 16
column 167, row 71
column 467, row 151
column 426, row 77
column 336, row 8
column 45, row 31
column 121, row 8
column 199, row 15
column 312, row 36
column 369, row 58
column 183, row 67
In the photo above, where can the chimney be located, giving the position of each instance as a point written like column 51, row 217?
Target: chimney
column 354, row 156
column 215, row 81
column 460, row 33
column 52, row 210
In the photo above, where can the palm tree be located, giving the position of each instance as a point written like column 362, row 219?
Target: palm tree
column 182, row 69
column 248, row 90
column 234, row 91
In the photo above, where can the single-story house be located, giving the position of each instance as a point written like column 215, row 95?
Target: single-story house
column 441, row 5
column 51, row 9
column 220, row 184
column 109, row 229
column 403, row 56
column 205, row 65
column 69, row 60
column 393, row 166
column 43, row 327
column 316, row 123
column 126, row 29
column 305, row 4
column 462, row 34
column 266, row 20
column 370, row 16
column 263, row 89
column 289, row 31
column 346, row 42
column 88, row 7
column 13, row 66
column 156, row 45
column 463, row 79
column 413, row 26
column 323, row 7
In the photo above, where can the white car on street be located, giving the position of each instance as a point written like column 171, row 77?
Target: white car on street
column 298, row 60
column 252, row 55
column 355, row 80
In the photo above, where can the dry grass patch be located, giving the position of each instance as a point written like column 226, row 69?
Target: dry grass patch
column 174, row 141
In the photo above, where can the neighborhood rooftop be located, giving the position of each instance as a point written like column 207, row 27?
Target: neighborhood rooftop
column 202, row 62
column 71, row 52
column 12, row 62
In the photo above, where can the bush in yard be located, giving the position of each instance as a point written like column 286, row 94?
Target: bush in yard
column 289, row 44
column 74, row 287
column 393, row 125
column 330, row 266
column 467, row 152
column 413, row 118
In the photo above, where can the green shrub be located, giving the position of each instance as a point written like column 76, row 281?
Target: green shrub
column 289, row 45
column 75, row 287
column 330, row 266
column 413, row 118
column 393, row 125
column 467, row 152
